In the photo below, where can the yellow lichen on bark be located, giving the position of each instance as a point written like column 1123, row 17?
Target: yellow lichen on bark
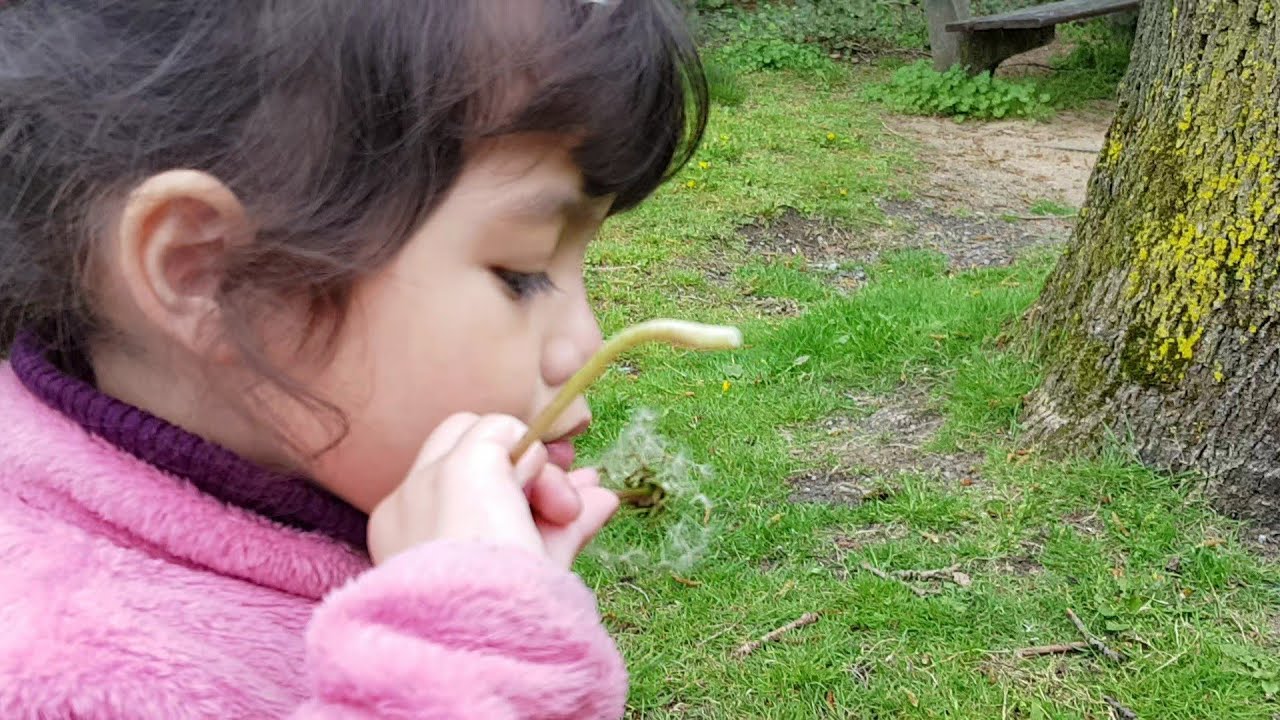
column 1196, row 251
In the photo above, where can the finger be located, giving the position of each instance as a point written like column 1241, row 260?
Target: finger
column 553, row 497
column 531, row 464
column 584, row 477
column 598, row 506
column 481, row 456
column 494, row 430
column 477, row 488
column 564, row 543
column 445, row 437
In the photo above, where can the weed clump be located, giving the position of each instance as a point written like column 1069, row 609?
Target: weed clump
column 918, row 89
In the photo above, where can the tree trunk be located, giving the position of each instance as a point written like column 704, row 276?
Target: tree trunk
column 1160, row 320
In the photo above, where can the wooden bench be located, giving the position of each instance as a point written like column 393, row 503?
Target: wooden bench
column 982, row 43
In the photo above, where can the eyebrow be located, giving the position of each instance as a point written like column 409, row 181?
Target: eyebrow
column 547, row 203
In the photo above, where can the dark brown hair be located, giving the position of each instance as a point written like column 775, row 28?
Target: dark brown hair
column 339, row 124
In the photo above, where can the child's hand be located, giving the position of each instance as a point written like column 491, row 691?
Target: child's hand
column 463, row 486
column 570, row 507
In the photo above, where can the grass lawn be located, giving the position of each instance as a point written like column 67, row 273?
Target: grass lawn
column 920, row 369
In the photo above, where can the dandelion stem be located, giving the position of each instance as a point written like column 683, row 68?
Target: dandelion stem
column 673, row 332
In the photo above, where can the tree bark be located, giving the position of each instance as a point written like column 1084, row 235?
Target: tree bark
column 1160, row 320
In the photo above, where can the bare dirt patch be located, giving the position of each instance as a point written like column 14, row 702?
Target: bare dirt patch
column 1014, row 566
column 869, row 536
column 1006, row 166
column 976, row 203
column 970, row 240
column 826, row 246
column 776, row 307
column 869, row 453
column 1088, row 524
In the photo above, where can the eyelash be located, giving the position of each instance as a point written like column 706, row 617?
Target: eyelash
column 525, row 285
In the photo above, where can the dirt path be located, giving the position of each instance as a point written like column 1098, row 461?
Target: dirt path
column 983, row 196
column 974, row 203
column 981, row 200
column 1009, row 165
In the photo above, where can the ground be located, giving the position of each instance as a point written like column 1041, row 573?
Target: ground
column 867, row 433
column 982, row 200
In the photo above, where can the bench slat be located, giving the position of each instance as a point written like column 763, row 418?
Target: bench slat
column 1041, row 16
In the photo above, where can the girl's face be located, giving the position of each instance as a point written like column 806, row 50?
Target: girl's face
column 484, row 310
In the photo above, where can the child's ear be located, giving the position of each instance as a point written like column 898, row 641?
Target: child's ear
column 173, row 238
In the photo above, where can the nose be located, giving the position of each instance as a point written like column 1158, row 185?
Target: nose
column 573, row 339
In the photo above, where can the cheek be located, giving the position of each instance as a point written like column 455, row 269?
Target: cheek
column 408, row 396
column 401, row 369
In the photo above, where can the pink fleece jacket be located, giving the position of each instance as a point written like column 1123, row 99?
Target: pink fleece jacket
column 126, row 593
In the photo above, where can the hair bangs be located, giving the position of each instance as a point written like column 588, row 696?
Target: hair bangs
column 621, row 78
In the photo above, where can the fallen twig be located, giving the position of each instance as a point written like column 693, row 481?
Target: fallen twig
column 1029, row 64
column 949, row 574
column 1118, row 709
column 1068, row 148
column 1062, row 649
column 886, row 576
column 713, row 636
column 1033, row 218
column 754, row 645
column 891, row 131
column 1095, row 642
column 943, row 574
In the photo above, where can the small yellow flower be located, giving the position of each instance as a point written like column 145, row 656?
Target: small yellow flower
column 704, row 164
column 691, row 184
column 843, row 192
column 724, row 138
column 831, row 136
column 725, row 387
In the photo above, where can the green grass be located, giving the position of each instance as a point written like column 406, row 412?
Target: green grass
column 1045, row 206
column 1155, row 573
column 795, row 142
column 1094, row 68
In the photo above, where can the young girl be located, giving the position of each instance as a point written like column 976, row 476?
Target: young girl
column 280, row 282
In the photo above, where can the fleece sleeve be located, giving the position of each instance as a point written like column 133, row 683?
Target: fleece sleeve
column 462, row 630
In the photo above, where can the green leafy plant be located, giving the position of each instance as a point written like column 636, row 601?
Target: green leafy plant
column 918, row 89
column 845, row 27
column 1250, row 662
column 760, row 54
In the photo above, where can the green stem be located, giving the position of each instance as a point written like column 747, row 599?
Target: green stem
column 674, row 332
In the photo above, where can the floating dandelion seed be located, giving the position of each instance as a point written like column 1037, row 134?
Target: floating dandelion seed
column 666, row 487
column 641, row 466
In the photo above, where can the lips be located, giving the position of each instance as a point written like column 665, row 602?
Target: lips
column 561, row 452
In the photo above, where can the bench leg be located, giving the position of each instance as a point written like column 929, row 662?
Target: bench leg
column 984, row 50
column 944, row 45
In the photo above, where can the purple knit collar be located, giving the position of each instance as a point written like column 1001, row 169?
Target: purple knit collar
column 288, row 499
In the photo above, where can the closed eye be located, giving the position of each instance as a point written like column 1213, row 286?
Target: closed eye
column 524, row 285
